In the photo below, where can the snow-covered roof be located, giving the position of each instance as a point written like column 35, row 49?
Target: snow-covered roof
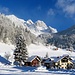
column 30, row 59
column 56, row 59
column 48, row 61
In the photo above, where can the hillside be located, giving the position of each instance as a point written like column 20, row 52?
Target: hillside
column 33, row 49
column 37, row 28
column 11, row 26
column 9, row 30
column 64, row 39
column 35, row 34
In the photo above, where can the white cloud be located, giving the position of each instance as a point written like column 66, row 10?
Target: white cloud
column 70, row 9
column 4, row 10
column 67, row 6
column 50, row 12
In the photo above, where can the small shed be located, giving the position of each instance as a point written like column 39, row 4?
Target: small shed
column 33, row 61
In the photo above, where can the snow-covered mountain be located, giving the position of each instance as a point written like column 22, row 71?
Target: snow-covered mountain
column 15, row 20
column 10, row 28
column 38, row 31
column 42, row 28
column 64, row 39
column 37, row 28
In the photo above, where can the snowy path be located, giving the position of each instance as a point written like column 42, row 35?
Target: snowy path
column 22, row 71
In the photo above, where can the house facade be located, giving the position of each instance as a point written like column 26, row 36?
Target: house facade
column 33, row 61
column 63, row 62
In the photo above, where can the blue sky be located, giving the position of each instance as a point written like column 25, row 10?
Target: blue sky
column 59, row 14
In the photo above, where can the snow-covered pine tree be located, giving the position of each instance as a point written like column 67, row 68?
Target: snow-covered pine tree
column 21, row 54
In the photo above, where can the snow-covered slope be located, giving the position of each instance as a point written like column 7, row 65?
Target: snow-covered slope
column 64, row 39
column 37, row 28
column 41, row 50
column 15, row 20
column 42, row 28
column 53, row 30
column 33, row 49
column 5, row 48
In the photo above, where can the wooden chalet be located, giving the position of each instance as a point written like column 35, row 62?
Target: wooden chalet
column 33, row 61
column 63, row 62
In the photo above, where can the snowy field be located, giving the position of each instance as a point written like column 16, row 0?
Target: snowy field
column 41, row 51
column 12, row 70
column 33, row 49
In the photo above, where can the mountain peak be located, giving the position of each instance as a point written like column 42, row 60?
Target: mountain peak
column 53, row 30
column 14, row 18
column 40, row 24
column 37, row 28
column 17, row 21
column 30, row 21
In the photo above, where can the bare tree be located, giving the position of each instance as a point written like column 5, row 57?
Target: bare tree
column 7, row 55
